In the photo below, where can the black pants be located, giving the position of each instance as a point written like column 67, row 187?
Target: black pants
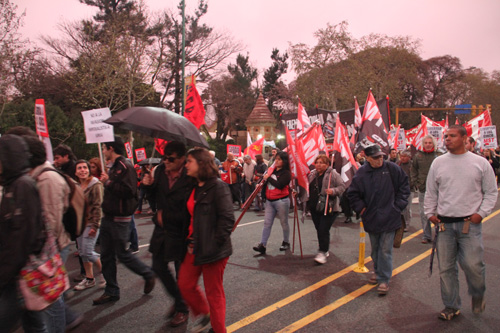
column 235, row 192
column 345, row 205
column 160, row 267
column 323, row 223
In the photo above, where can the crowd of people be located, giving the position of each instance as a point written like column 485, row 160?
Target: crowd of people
column 193, row 196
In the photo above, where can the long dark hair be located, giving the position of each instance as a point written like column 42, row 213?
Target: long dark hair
column 284, row 157
column 206, row 164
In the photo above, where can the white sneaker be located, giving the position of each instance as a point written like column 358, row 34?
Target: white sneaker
column 321, row 257
column 85, row 284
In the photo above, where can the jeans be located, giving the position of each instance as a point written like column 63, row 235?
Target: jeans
column 160, row 267
column 280, row 209
column 114, row 239
column 407, row 211
column 382, row 254
column 323, row 224
column 426, row 225
column 467, row 249
column 133, row 239
column 86, row 246
column 215, row 300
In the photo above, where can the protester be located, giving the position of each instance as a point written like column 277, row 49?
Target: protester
column 379, row 192
column 171, row 187
column 259, row 171
column 405, row 164
column 96, row 167
column 233, row 168
column 277, row 202
column 393, row 157
column 209, row 242
column 274, row 151
column 119, row 203
column 93, row 190
column 420, row 168
column 324, row 181
column 492, row 159
column 216, row 160
column 461, row 192
column 248, row 177
column 21, row 224
column 470, row 145
column 64, row 160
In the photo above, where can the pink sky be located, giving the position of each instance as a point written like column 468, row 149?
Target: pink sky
column 469, row 30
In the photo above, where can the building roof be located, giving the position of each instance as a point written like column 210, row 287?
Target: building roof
column 260, row 114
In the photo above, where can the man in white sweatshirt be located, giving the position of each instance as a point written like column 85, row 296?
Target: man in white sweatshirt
column 461, row 191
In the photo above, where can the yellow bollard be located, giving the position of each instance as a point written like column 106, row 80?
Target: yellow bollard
column 361, row 260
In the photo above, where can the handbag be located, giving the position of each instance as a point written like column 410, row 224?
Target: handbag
column 43, row 279
column 320, row 206
column 398, row 236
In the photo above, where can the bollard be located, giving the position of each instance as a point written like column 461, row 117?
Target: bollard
column 361, row 260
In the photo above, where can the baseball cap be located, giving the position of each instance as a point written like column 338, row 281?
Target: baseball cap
column 373, row 151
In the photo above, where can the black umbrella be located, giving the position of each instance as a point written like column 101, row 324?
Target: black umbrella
column 150, row 161
column 158, row 123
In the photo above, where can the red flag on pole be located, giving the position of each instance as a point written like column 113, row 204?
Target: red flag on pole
column 473, row 125
column 357, row 114
column 298, row 164
column 341, row 144
column 303, row 122
column 160, row 145
column 194, row 111
column 255, row 148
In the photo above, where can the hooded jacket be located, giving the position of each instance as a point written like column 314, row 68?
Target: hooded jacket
column 420, row 168
column 94, row 194
column 383, row 192
column 336, row 184
column 21, row 220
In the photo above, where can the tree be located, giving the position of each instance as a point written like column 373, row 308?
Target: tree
column 273, row 86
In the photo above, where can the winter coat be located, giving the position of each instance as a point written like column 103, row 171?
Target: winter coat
column 120, row 190
column 94, row 194
column 213, row 221
column 171, row 203
column 421, row 164
column 54, row 195
column 277, row 184
column 21, row 219
column 336, row 184
column 383, row 192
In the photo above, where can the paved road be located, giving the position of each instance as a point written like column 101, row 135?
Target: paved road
column 287, row 292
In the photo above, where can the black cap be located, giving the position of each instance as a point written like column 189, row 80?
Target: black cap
column 373, row 151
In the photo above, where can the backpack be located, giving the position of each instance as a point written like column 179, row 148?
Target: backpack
column 75, row 216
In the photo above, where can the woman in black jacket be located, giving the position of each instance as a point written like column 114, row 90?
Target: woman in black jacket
column 277, row 201
column 209, row 242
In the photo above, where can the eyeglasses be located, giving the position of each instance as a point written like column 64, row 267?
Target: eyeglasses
column 171, row 159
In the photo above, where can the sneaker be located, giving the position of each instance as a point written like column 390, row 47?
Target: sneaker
column 321, row 257
column 201, row 323
column 478, row 304
column 373, row 279
column 260, row 248
column 448, row 314
column 85, row 284
column 284, row 246
column 383, row 289
column 179, row 318
column 348, row 220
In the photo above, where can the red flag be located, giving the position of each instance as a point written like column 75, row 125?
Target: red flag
column 446, row 125
column 456, row 121
column 303, row 122
column 341, row 145
column 194, row 111
column 255, row 148
column 312, row 142
column 357, row 114
column 372, row 127
column 473, row 125
column 298, row 164
column 160, row 146
column 396, row 137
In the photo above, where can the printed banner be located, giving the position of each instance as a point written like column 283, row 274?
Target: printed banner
column 41, row 119
column 437, row 133
column 96, row 131
column 140, row 154
column 488, row 137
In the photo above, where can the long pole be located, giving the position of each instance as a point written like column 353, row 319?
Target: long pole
column 183, row 4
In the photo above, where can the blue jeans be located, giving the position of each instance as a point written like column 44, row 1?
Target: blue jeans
column 382, row 254
column 323, row 223
column 277, row 208
column 467, row 249
column 426, row 225
column 114, row 239
column 86, row 246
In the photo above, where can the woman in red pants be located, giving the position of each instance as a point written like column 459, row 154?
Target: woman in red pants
column 209, row 242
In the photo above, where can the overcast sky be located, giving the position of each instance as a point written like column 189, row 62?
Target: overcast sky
column 469, row 30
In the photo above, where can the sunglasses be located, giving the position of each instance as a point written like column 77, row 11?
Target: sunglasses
column 171, row 159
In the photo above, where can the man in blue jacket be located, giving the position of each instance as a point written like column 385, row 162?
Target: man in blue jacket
column 379, row 192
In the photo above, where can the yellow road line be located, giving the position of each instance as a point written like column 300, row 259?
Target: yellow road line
column 349, row 297
column 353, row 295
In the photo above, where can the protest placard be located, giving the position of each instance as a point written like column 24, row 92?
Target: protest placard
column 437, row 133
column 235, row 149
column 128, row 149
column 41, row 119
column 488, row 137
column 140, row 154
column 96, row 131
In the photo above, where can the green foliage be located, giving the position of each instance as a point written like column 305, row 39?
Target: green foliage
column 273, row 87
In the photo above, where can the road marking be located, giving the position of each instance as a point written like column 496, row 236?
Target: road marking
column 273, row 307
column 353, row 295
column 249, row 223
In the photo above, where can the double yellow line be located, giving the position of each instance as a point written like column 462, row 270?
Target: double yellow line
column 338, row 303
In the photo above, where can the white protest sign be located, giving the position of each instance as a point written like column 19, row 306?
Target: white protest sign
column 140, row 154
column 437, row 133
column 41, row 119
column 488, row 137
column 96, row 130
